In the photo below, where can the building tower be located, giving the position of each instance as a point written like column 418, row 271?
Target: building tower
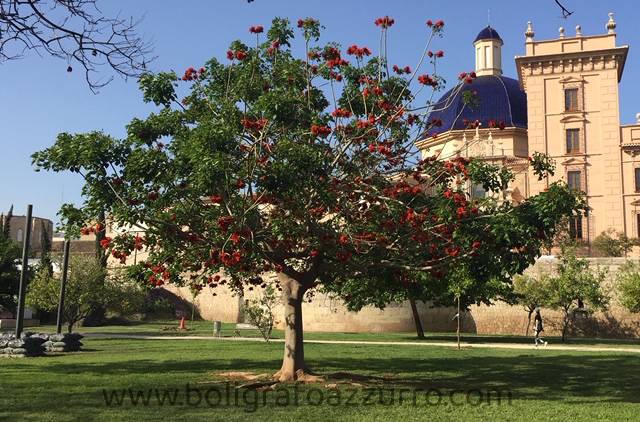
column 573, row 116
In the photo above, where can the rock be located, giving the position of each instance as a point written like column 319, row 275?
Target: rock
column 56, row 337
column 16, row 343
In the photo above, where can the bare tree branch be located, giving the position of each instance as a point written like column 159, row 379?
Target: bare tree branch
column 76, row 31
column 565, row 12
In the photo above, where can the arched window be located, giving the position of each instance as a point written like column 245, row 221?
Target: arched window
column 19, row 235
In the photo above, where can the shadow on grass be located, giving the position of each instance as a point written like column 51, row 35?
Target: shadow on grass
column 550, row 376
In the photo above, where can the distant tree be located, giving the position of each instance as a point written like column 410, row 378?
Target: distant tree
column 5, row 223
column 75, row 31
column 85, row 291
column 45, row 263
column 613, row 243
column 531, row 293
column 261, row 312
column 628, row 278
column 575, row 283
column 9, row 274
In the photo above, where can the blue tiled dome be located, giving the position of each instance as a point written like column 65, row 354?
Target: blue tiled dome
column 500, row 99
column 488, row 33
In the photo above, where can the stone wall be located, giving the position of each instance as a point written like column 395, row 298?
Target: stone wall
column 326, row 314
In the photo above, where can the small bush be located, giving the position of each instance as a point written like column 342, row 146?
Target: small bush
column 613, row 243
column 629, row 286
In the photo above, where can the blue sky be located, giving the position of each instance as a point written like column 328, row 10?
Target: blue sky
column 40, row 99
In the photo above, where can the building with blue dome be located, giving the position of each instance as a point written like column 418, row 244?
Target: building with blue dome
column 564, row 103
column 503, row 103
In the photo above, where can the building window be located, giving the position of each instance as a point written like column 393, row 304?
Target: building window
column 638, row 224
column 637, row 179
column 573, row 141
column 19, row 235
column 477, row 191
column 573, row 180
column 571, row 99
column 575, row 227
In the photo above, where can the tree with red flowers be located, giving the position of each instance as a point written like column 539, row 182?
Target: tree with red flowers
column 305, row 167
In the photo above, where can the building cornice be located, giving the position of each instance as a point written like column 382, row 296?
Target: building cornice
column 577, row 61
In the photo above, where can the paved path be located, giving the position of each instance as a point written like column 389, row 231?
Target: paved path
column 384, row 343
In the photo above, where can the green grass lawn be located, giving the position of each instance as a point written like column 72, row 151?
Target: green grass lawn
column 205, row 329
column 544, row 384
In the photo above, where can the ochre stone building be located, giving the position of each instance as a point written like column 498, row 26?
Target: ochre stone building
column 18, row 230
column 565, row 104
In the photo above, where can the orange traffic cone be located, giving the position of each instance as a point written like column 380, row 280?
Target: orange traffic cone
column 182, row 324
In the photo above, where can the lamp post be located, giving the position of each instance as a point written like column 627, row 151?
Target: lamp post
column 24, row 273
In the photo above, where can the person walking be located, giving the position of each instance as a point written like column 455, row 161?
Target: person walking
column 538, row 328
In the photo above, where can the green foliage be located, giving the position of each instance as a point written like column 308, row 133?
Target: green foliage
column 575, row 281
column 542, row 164
column 628, row 281
column 9, row 274
column 530, row 292
column 88, row 288
column 261, row 311
column 5, row 223
column 45, row 263
column 9, row 256
column 159, row 88
column 613, row 243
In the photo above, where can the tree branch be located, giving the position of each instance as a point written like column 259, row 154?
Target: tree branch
column 71, row 30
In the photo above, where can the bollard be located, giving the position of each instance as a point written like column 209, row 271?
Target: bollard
column 217, row 327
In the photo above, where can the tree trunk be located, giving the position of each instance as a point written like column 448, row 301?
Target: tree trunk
column 416, row 318
column 565, row 325
column 294, row 367
column 458, row 322
column 526, row 332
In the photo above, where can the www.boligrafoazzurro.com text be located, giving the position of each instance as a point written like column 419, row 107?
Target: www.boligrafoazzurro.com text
column 227, row 394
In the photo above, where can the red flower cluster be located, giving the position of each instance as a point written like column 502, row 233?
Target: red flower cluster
column 439, row 24
column 427, row 80
column 240, row 55
column 225, row 222
column 440, row 53
column 305, row 23
column 385, row 22
column 254, row 124
column 106, row 242
column 493, row 124
column 216, row 199
column 322, row 131
column 256, row 29
column 399, row 71
column 192, row 74
column 453, row 252
column 358, row 52
column 471, row 125
column 339, row 112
